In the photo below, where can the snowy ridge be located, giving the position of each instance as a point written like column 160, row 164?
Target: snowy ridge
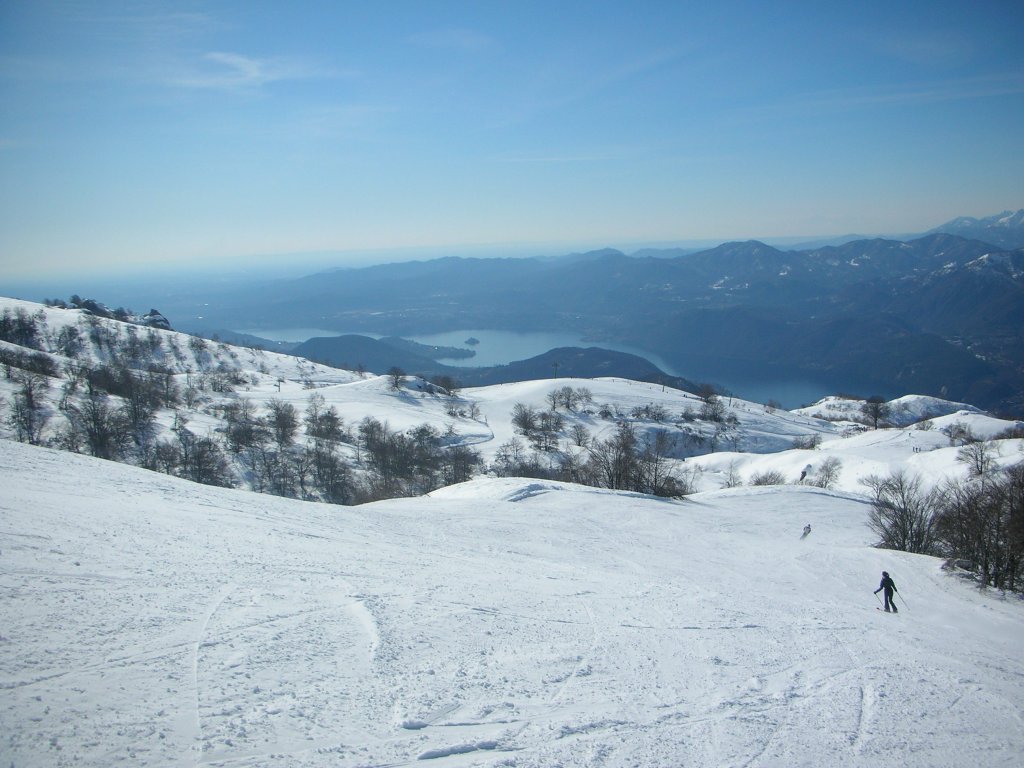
column 482, row 419
column 152, row 622
column 904, row 411
column 181, row 353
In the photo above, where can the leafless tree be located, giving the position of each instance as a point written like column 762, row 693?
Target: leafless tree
column 876, row 409
column 903, row 513
column 828, row 472
column 395, row 377
column 28, row 411
column 980, row 458
column 283, row 422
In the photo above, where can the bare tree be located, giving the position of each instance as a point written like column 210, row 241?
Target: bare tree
column 549, row 426
column 612, row 463
column 656, row 467
column 331, row 476
column 959, row 433
column 524, row 419
column 28, row 412
column 105, row 429
column 283, row 422
column 508, row 457
column 243, row 428
column 828, row 472
column 903, row 514
column 323, row 421
column 458, row 464
column 983, row 524
column 395, row 377
column 875, row 409
column 712, row 408
column 732, row 477
column 580, row 435
column 980, row 458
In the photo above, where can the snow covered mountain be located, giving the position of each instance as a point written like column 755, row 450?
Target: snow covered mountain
column 1004, row 229
column 501, row 621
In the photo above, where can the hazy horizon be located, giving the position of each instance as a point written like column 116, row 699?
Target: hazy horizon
column 166, row 135
column 106, row 283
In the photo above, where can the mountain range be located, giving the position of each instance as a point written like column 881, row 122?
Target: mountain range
column 939, row 314
column 1004, row 229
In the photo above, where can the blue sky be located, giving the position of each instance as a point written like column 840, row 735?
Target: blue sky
column 148, row 134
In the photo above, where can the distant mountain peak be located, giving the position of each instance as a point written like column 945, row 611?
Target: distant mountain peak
column 1005, row 229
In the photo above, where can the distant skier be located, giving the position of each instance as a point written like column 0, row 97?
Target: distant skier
column 887, row 586
column 807, row 531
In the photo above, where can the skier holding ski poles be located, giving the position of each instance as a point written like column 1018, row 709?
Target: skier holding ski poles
column 887, row 587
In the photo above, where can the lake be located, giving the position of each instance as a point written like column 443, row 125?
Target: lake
column 502, row 347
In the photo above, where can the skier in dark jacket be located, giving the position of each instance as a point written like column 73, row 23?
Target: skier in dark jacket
column 887, row 586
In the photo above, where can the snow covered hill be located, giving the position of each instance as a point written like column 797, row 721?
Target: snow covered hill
column 149, row 621
column 202, row 385
column 902, row 412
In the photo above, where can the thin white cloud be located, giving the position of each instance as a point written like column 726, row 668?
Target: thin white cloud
column 219, row 70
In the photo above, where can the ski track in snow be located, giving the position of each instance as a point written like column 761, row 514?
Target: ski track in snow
column 513, row 624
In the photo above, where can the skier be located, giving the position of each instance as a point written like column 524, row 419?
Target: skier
column 807, row 531
column 889, row 586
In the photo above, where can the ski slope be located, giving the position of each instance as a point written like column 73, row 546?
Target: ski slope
column 148, row 621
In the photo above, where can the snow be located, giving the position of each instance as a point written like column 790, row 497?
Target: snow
column 903, row 411
column 750, row 428
column 272, row 365
column 924, row 454
column 502, row 622
column 147, row 621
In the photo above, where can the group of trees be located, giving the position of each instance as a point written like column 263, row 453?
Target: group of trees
column 112, row 390
column 627, row 460
column 977, row 522
column 631, row 459
column 411, row 463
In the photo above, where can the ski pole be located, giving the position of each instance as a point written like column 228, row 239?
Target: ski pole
column 903, row 601
column 878, row 598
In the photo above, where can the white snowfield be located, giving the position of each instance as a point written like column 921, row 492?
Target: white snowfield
column 147, row 621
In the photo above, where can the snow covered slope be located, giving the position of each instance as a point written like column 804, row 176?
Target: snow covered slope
column 927, row 455
column 148, row 621
column 902, row 412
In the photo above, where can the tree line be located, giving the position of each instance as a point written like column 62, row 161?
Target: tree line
column 108, row 401
column 976, row 523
